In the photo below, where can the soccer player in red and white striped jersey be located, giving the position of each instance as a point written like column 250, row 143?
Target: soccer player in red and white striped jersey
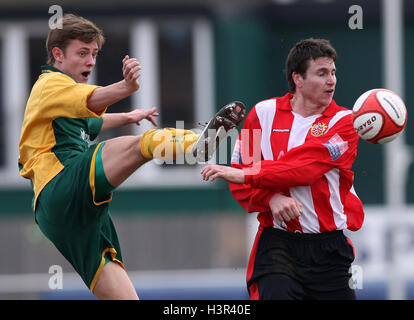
column 292, row 164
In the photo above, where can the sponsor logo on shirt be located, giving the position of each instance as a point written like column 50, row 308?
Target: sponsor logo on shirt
column 318, row 129
column 281, row 130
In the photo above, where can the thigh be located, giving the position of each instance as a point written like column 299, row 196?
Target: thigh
column 101, row 188
column 121, row 157
column 88, row 248
column 341, row 294
column 328, row 270
column 271, row 254
column 80, row 229
column 279, row 287
column 67, row 200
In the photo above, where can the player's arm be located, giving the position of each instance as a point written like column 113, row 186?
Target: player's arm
column 305, row 164
column 113, row 120
column 270, row 174
column 283, row 207
column 300, row 166
column 246, row 151
column 103, row 97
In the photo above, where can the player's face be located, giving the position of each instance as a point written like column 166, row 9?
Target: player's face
column 318, row 85
column 79, row 59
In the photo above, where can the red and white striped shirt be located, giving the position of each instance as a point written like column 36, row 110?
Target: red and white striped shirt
column 309, row 159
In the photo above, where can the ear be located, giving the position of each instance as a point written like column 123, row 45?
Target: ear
column 297, row 79
column 58, row 54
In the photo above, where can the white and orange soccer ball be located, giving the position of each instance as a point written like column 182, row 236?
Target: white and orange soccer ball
column 379, row 116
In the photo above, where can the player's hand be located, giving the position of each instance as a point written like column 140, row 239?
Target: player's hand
column 137, row 115
column 131, row 72
column 285, row 208
column 229, row 174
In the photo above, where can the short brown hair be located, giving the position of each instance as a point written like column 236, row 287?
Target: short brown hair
column 73, row 27
column 298, row 58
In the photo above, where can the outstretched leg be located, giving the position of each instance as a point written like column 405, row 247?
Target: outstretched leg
column 170, row 143
column 121, row 157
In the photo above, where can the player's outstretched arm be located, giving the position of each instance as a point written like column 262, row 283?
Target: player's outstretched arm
column 113, row 120
column 283, row 208
column 229, row 174
column 103, row 97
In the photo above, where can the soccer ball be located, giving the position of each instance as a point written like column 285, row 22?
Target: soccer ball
column 379, row 116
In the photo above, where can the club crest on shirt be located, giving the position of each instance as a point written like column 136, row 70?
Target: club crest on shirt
column 84, row 136
column 318, row 129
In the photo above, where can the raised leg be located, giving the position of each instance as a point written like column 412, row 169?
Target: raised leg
column 121, row 157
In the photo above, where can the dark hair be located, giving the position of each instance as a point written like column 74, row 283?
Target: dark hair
column 299, row 56
column 73, row 27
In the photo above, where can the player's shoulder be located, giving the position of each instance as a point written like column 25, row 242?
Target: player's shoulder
column 340, row 117
column 271, row 103
column 336, row 111
column 47, row 84
column 55, row 77
column 261, row 110
column 334, row 107
column 267, row 103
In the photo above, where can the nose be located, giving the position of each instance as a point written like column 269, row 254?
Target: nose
column 91, row 60
column 331, row 79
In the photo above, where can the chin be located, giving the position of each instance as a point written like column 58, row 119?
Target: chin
column 327, row 102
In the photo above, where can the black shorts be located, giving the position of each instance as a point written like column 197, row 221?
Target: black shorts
column 286, row 265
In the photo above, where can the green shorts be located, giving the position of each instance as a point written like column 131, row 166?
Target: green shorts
column 72, row 212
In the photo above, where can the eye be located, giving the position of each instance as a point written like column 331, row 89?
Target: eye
column 82, row 54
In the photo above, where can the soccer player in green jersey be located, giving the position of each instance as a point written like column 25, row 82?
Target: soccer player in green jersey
column 73, row 180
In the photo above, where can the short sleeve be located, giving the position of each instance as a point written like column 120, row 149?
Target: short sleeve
column 63, row 97
column 94, row 126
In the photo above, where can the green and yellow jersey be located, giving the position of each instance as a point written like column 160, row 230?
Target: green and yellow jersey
column 57, row 126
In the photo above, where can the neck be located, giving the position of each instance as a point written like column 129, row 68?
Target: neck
column 304, row 107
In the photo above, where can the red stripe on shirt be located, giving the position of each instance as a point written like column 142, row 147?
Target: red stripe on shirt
column 321, row 194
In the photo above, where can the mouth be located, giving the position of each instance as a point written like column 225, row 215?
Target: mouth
column 330, row 91
column 86, row 74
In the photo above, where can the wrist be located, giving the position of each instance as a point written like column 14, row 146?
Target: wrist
column 128, row 118
column 248, row 178
column 276, row 197
column 269, row 197
column 129, row 87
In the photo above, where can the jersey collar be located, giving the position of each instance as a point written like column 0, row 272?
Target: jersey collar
column 284, row 104
column 49, row 69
